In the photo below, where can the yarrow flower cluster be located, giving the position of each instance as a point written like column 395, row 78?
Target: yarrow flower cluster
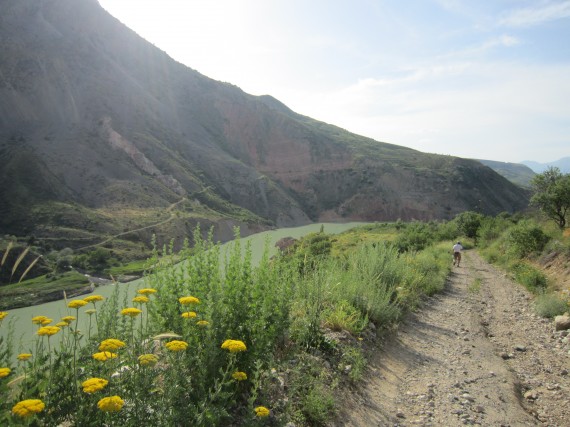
column 188, row 300
column 189, row 314
column 234, row 346
column 94, row 384
column 93, row 298
column 146, row 291
column 28, row 407
column 77, row 303
column 3, row 314
column 38, row 320
column 148, row 360
column 176, row 345
column 68, row 319
column 4, row 372
column 202, row 323
column 104, row 355
column 111, row 404
column 48, row 330
column 24, row 356
column 111, row 344
column 141, row 299
column 131, row 311
column 262, row 411
column 239, row 376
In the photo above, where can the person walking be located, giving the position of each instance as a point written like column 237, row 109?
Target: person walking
column 457, row 248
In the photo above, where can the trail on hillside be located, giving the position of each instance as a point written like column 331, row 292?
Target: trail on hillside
column 475, row 354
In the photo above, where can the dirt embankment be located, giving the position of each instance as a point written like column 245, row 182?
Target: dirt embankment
column 474, row 355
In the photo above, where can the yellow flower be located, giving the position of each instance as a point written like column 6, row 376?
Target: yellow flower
column 261, row 411
column 3, row 314
column 90, row 311
column 234, row 346
column 148, row 359
column 111, row 404
column 28, row 407
column 131, row 311
column 46, row 321
column 104, row 355
column 48, row 330
column 38, row 319
column 141, row 299
column 146, row 291
column 93, row 298
column 202, row 323
column 61, row 324
column 239, row 376
column 68, row 319
column 189, row 314
column 111, row 344
column 188, row 300
column 4, row 372
column 77, row 303
column 176, row 345
column 94, row 384
column 24, row 356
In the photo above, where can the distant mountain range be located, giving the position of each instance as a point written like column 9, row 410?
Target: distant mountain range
column 102, row 135
column 563, row 164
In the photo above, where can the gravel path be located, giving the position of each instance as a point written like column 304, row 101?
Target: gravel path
column 476, row 354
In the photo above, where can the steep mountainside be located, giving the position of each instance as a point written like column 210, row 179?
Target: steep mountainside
column 102, row 133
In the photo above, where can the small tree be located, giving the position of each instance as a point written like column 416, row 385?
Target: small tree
column 552, row 194
column 468, row 223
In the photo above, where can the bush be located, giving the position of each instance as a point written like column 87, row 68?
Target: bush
column 550, row 305
column 525, row 238
column 415, row 237
column 528, row 276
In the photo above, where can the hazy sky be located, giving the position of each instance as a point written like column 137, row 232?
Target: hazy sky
column 483, row 79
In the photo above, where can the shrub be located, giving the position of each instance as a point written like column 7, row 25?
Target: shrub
column 319, row 405
column 529, row 277
column 525, row 238
column 550, row 305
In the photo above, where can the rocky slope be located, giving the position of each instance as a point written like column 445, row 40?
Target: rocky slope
column 100, row 132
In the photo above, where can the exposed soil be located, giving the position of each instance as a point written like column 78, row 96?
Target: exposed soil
column 476, row 354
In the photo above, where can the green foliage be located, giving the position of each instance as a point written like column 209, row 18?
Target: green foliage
column 552, row 195
column 96, row 260
column 344, row 316
column 319, row 404
column 415, row 237
column 468, row 223
column 550, row 305
column 353, row 359
column 525, row 238
column 530, row 277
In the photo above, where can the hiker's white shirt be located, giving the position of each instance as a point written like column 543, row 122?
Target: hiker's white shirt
column 457, row 248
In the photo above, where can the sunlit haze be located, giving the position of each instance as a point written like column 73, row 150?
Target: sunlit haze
column 486, row 79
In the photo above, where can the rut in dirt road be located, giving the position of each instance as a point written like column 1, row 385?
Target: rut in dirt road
column 469, row 357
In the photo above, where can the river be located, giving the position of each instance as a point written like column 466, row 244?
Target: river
column 24, row 330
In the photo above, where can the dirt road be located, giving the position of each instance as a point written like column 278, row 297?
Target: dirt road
column 474, row 355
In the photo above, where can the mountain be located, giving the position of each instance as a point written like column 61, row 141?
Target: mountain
column 563, row 164
column 515, row 172
column 102, row 134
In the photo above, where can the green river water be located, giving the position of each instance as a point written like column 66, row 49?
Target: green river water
column 24, row 330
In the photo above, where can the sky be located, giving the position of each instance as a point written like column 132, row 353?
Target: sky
column 485, row 79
